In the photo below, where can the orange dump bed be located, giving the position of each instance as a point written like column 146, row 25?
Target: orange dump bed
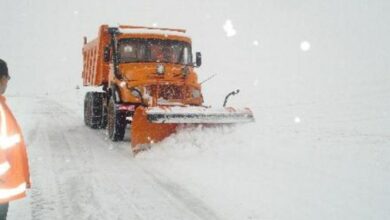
column 95, row 70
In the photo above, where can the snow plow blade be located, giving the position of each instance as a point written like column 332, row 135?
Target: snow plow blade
column 153, row 124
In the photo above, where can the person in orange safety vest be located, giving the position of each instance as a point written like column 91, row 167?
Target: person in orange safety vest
column 14, row 169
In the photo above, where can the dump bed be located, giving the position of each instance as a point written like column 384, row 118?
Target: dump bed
column 95, row 70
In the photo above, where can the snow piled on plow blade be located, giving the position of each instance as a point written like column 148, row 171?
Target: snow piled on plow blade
column 153, row 124
column 198, row 115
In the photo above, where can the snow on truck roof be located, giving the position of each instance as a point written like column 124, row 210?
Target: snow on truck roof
column 152, row 30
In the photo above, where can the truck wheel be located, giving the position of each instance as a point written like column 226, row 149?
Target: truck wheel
column 93, row 110
column 86, row 109
column 116, row 122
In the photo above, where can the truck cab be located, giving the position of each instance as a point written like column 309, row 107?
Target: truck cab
column 152, row 67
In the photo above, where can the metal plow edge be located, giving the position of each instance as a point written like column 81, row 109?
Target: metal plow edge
column 153, row 124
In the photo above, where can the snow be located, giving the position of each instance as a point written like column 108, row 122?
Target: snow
column 153, row 31
column 333, row 164
column 305, row 46
column 229, row 29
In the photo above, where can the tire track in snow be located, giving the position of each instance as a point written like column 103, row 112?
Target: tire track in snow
column 43, row 192
column 76, row 190
column 50, row 156
column 175, row 195
column 195, row 205
column 85, row 144
column 78, row 174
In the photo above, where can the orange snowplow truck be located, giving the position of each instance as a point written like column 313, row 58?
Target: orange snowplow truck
column 146, row 79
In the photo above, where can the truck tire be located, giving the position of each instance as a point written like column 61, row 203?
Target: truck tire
column 94, row 113
column 116, row 122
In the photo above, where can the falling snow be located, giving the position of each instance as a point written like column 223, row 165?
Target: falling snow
column 305, row 46
column 229, row 29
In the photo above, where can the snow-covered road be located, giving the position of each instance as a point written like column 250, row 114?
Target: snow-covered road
column 78, row 174
column 312, row 168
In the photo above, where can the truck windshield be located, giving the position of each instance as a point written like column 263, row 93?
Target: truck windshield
column 154, row 50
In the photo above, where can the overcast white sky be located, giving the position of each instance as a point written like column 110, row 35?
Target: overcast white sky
column 42, row 40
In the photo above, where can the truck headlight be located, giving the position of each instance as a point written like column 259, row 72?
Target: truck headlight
column 123, row 84
column 136, row 92
column 160, row 69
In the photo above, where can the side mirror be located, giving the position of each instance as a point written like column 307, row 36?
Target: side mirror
column 107, row 54
column 198, row 59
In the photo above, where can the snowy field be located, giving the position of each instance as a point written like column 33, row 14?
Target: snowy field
column 315, row 73
column 325, row 165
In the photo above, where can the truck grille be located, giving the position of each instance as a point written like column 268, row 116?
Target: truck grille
column 168, row 92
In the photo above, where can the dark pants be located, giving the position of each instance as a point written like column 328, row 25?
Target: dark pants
column 3, row 211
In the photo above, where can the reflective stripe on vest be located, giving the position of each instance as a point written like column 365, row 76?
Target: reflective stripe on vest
column 4, row 167
column 8, row 193
column 3, row 125
column 8, row 142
